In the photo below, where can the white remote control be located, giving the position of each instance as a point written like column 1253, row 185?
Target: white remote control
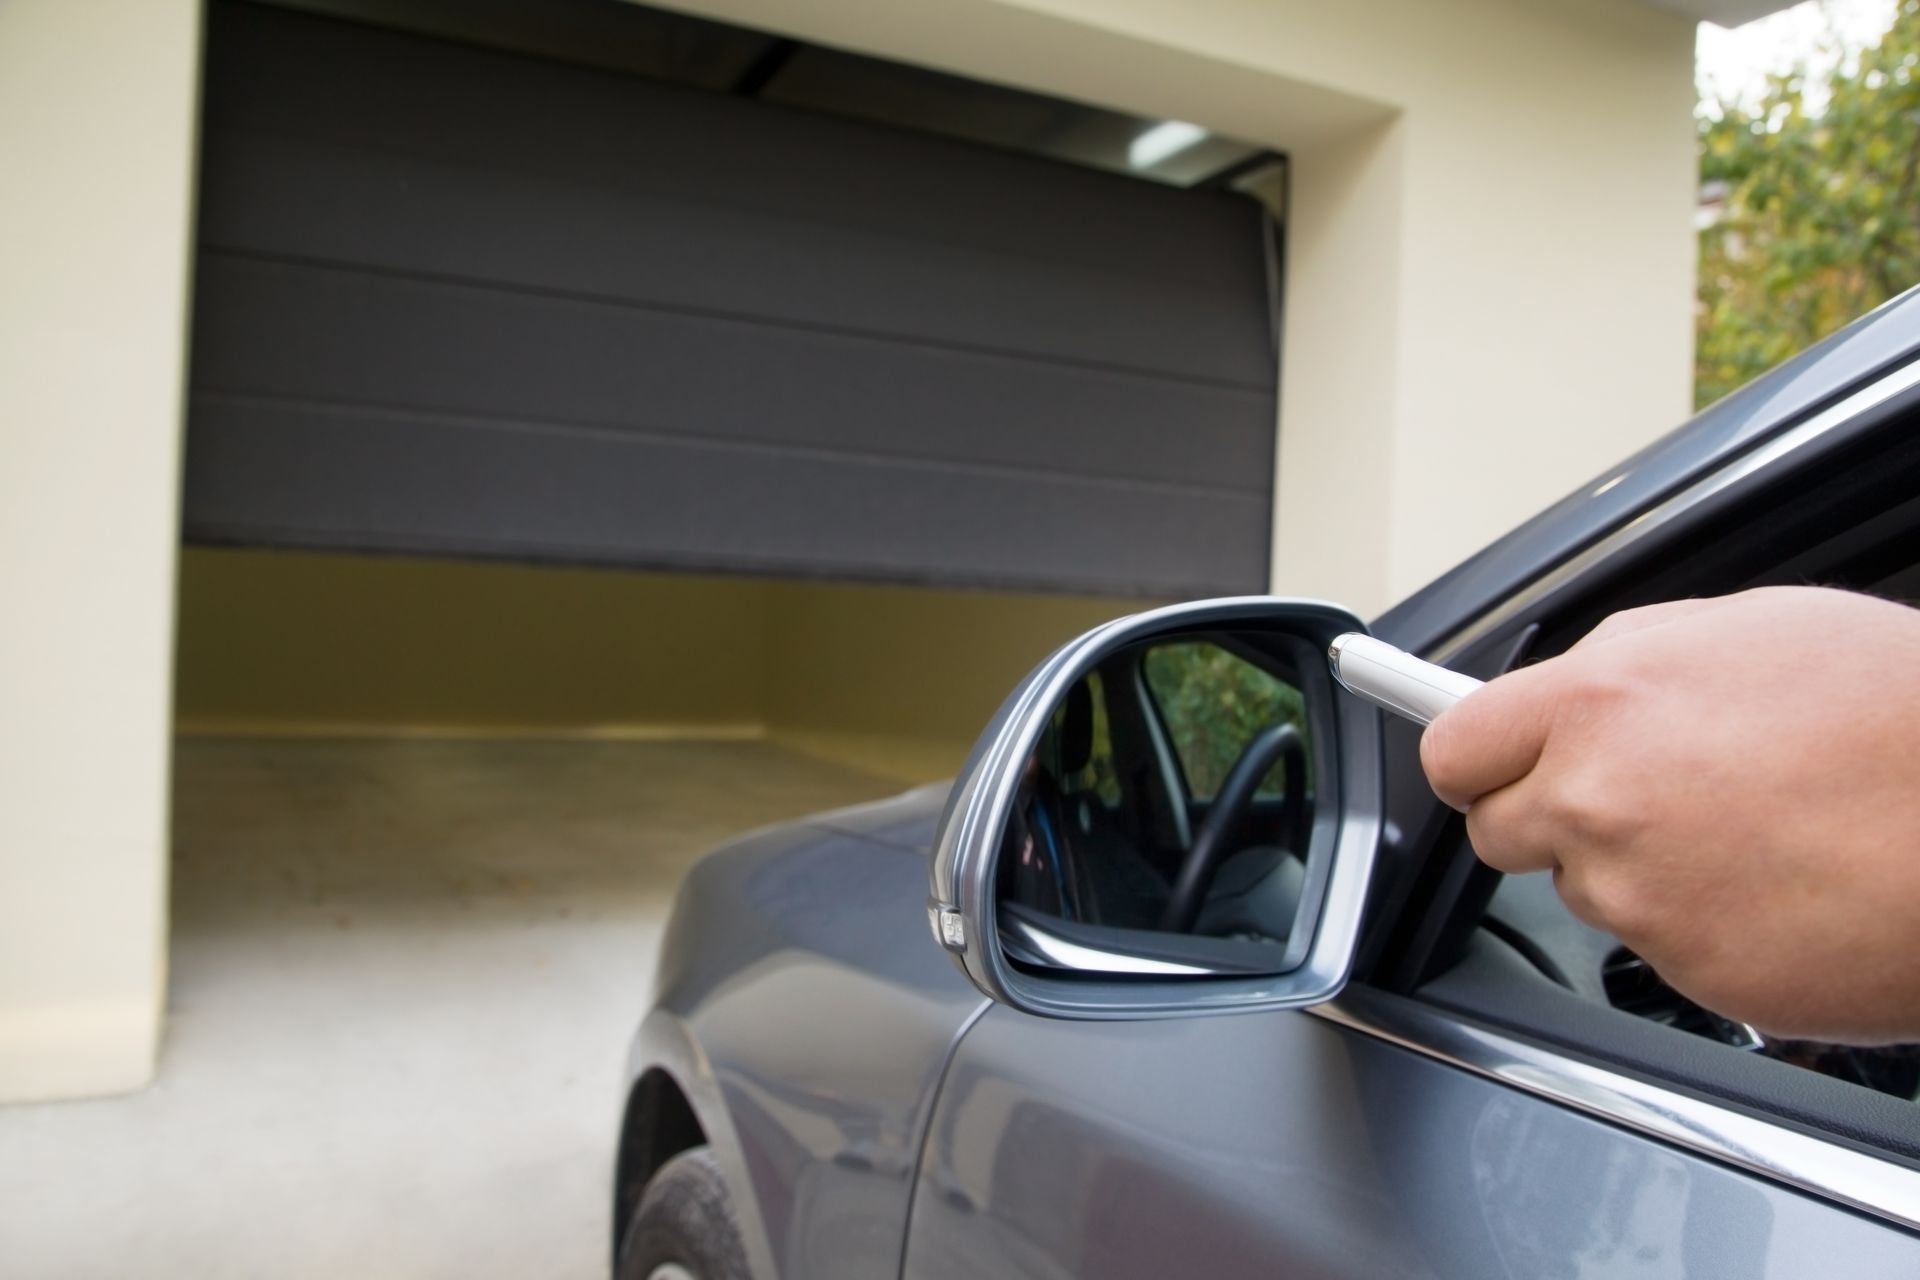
column 1395, row 679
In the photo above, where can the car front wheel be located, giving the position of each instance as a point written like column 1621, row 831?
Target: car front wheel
column 685, row 1227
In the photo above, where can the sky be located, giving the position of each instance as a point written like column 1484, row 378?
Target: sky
column 1733, row 64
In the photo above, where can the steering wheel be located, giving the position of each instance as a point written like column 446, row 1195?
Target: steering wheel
column 1229, row 811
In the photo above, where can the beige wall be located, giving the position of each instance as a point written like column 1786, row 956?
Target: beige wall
column 97, row 124
column 897, row 681
column 1491, row 253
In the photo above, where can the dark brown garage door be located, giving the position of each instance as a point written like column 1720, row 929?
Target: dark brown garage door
column 465, row 302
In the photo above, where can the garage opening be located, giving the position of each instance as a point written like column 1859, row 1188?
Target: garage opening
column 610, row 431
column 584, row 284
column 429, row 818
column 893, row 682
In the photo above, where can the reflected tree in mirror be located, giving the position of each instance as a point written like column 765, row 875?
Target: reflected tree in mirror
column 1213, row 703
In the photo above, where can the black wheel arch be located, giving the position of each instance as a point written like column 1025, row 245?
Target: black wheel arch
column 658, row 1125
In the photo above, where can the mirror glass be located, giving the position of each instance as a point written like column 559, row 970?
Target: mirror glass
column 1166, row 822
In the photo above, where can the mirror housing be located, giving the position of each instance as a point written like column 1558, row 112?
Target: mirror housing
column 1030, row 961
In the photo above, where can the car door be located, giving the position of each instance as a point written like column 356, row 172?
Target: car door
column 1288, row 1143
column 1316, row 1142
column 1459, row 1111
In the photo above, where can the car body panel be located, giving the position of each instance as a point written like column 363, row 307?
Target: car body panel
column 812, row 1023
column 1282, row 1143
column 806, row 1016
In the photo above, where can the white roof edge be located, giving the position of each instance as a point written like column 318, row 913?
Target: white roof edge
column 1725, row 13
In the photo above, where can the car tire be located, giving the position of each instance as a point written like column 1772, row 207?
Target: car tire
column 685, row 1228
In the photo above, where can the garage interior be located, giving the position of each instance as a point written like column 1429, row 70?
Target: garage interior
column 608, row 432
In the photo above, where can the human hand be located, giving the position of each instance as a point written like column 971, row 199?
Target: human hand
column 1729, row 786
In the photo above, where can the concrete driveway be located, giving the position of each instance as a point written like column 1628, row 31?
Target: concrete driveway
column 404, row 974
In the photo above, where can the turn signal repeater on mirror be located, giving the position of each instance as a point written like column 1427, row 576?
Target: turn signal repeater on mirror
column 1394, row 679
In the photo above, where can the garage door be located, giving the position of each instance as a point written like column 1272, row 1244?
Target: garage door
column 457, row 301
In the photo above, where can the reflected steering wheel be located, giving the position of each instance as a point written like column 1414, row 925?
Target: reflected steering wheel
column 1229, row 811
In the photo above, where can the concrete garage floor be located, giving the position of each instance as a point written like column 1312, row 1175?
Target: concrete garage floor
column 403, row 978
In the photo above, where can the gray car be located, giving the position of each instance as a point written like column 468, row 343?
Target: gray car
column 1189, row 974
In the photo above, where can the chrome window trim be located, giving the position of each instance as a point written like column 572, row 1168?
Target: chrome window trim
column 1745, row 467
column 1846, row 1175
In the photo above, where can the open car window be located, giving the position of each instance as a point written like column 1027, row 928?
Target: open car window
column 1505, row 951
column 1527, row 915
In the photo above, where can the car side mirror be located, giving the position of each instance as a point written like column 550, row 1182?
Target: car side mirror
column 1175, row 813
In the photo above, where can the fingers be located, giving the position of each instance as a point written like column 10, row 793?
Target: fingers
column 1510, row 831
column 1491, row 737
column 1494, row 736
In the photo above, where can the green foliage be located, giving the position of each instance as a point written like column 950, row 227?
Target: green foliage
column 1822, row 215
column 1213, row 703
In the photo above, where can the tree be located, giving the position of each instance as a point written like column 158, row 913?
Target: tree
column 1213, row 703
column 1821, row 214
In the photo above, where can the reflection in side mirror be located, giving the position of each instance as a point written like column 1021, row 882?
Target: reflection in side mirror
column 1230, row 822
column 1175, row 813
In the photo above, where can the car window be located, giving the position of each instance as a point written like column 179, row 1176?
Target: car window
column 1514, row 954
column 1603, row 970
column 1212, row 703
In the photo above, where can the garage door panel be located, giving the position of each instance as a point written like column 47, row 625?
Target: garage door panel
column 301, row 331
column 292, row 197
column 355, row 478
column 455, row 300
column 362, row 88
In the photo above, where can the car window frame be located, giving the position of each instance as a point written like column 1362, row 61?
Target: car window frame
column 1843, row 1159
